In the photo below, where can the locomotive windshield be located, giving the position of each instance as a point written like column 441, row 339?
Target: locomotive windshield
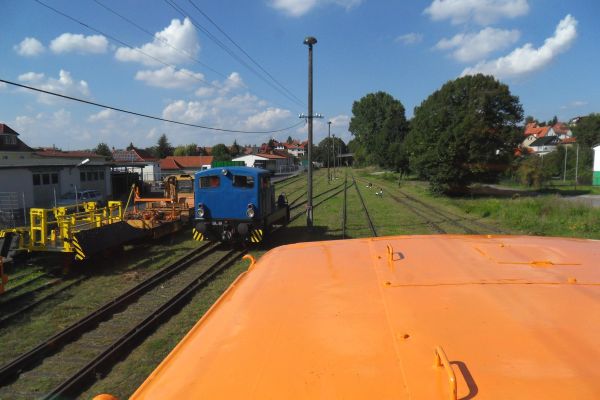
column 211, row 181
column 243, row 181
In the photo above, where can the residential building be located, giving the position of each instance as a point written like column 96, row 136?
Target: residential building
column 184, row 164
column 38, row 178
column 137, row 159
column 544, row 145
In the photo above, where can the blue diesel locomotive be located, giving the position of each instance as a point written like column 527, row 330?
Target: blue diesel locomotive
column 236, row 204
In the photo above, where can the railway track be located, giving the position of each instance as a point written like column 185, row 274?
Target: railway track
column 433, row 216
column 364, row 207
column 345, row 206
column 71, row 359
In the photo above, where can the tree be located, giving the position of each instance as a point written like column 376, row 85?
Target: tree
column 553, row 121
column 220, row 152
column 464, row 132
column 236, row 149
column 289, row 140
column 163, row 147
column 587, row 130
column 378, row 121
column 186, row 150
column 328, row 145
column 103, row 150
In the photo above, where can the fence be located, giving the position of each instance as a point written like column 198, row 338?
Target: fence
column 12, row 210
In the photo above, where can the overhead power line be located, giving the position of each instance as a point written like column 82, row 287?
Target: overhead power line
column 163, row 41
column 225, row 48
column 144, row 115
column 242, row 50
column 114, row 39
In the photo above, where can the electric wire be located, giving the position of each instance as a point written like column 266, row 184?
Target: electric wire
column 123, row 43
column 225, row 48
column 163, row 41
column 242, row 50
column 145, row 115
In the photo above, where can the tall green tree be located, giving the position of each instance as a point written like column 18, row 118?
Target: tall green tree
column 464, row 132
column 235, row 149
column 328, row 145
column 220, row 152
column 103, row 150
column 163, row 147
column 187, row 150
column 587, row 130
column 378, row 122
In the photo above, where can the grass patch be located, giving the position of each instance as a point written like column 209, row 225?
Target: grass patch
column 542, row 215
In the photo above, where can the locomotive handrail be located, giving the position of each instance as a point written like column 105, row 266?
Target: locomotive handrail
column 442, row 360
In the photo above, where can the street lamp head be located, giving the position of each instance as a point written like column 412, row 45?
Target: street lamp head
column 328, row 122
column 310, row 40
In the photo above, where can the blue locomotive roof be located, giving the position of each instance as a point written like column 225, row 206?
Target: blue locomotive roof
column 234, row 170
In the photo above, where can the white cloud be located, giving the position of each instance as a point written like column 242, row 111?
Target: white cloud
column 3, row 85
column 173, row 45
column 31, row 77
column 71, row 42
column 101, row 115
column 409, row 38
column 297, row 8
column 29, row 47
column 468, row 47
column 574, row 104
column 527, row 59
column 170, row 78
column 63, row 85
column 267, row 119
column 483, row 12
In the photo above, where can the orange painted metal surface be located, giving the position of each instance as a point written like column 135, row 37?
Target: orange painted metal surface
column 404, row 317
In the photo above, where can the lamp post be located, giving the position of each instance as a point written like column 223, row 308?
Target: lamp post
column 328, row 150
column 333, row 175
column 310, row 41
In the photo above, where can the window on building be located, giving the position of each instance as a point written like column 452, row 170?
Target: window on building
column 54, row 179
column 96, row 175
column 101, row 175
column 82, row 176
column 46, row 179
column 90, row 176
column 211, row 181
column 36, row 180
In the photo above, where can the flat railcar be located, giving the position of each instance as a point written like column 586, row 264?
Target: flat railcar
column 419, row 317
column 235, row 203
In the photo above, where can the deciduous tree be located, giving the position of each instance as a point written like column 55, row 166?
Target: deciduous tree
column 464, row 132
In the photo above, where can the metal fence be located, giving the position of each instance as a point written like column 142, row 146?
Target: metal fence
column 12, row 210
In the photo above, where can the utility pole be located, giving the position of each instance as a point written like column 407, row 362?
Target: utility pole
column 565, row 169
column 328, row 150
column 310, row 41
column 576, row 165
column 333, row 176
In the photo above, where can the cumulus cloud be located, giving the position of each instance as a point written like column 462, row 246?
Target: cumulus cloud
column 527, row 59
column 267, row 119
column 71, row 42
column 169, row 78
column 173, row 45
column 483, row 12
column 409, row 38
column 103, row 115
column 31, row 77
column 65, row 84
column 468, row 47
column 29, row 47
column 297, row 8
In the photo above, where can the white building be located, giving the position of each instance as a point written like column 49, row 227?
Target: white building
column 596, row 176
column 37, row 178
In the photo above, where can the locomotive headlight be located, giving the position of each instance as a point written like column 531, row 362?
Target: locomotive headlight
column 201, row 210
column 250, row 211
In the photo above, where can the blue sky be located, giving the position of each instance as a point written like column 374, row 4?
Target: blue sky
column 546, row 51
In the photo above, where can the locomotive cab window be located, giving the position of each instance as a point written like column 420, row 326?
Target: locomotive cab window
column 243, row 181
column 211, row 181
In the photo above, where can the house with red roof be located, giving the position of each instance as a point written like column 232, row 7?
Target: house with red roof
column 184, row 164
column 138, row 159
column 276, row 163
column 543, row 139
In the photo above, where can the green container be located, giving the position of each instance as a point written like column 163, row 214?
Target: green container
column 596, row 178
column 219, row 164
